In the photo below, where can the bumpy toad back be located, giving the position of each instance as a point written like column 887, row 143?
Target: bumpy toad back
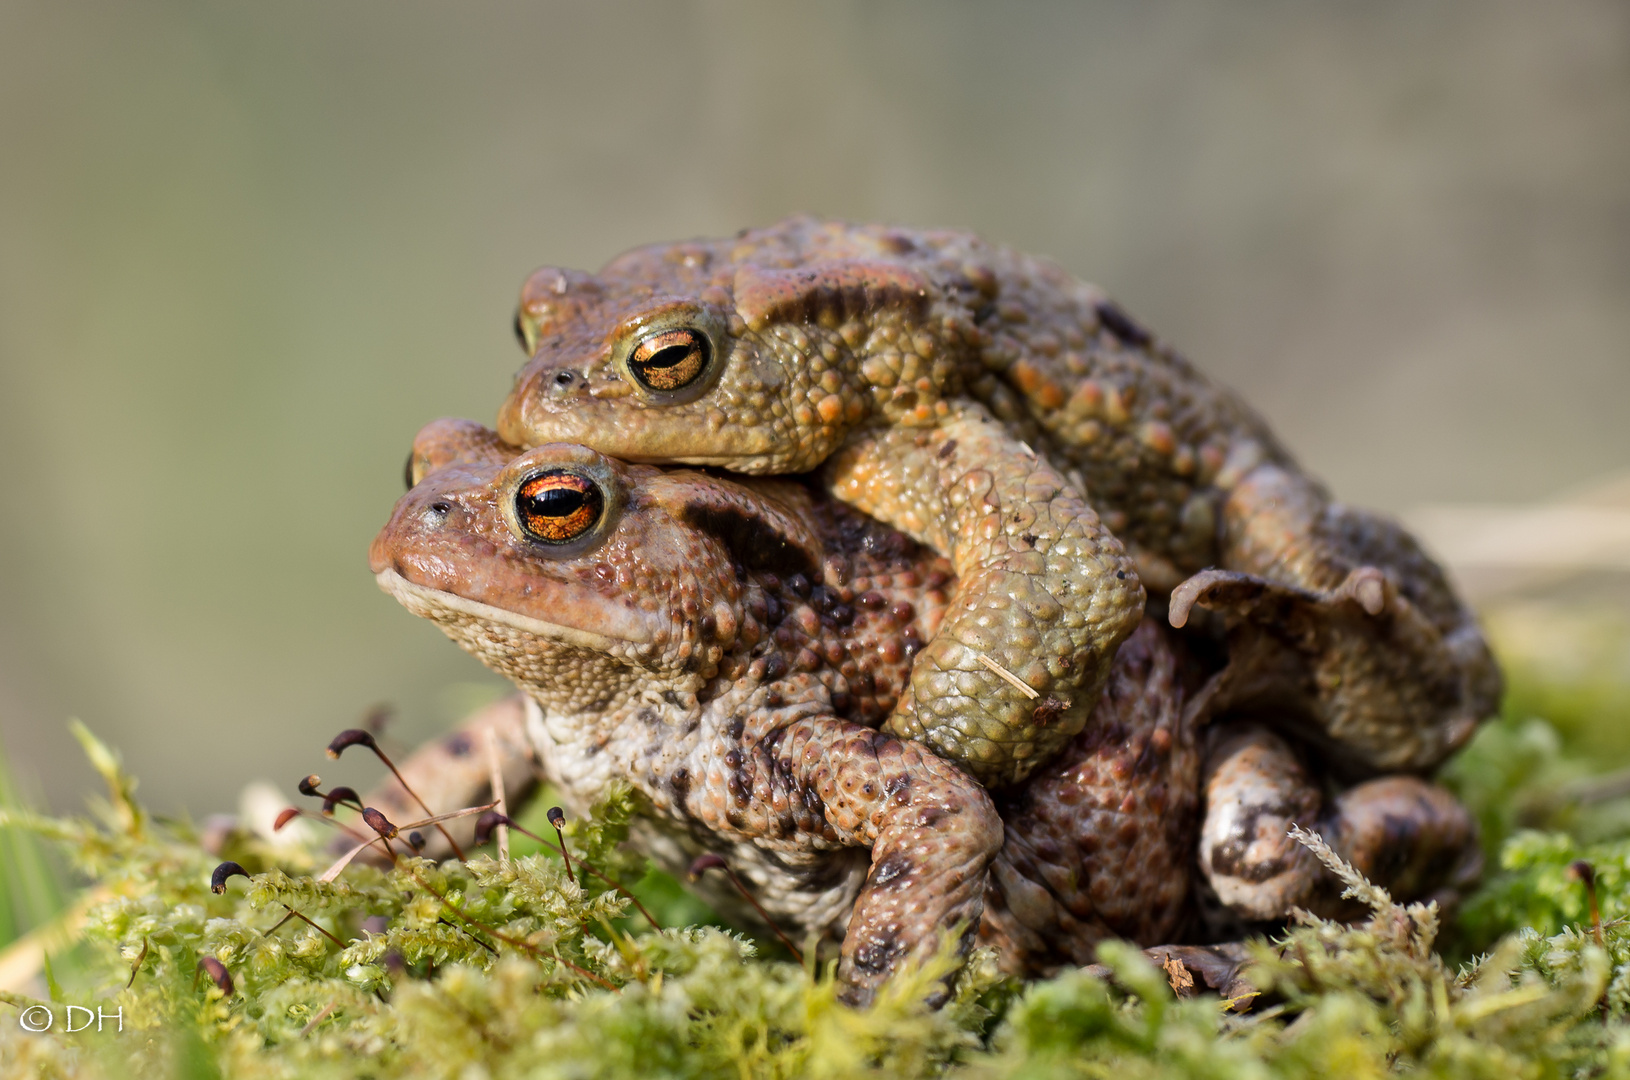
column 876, row 350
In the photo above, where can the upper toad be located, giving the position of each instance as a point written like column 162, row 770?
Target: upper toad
column 987, row 404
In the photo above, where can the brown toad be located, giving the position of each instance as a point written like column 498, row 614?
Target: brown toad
column 666, row 629
column 921, row 368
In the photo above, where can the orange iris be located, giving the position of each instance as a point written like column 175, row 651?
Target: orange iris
column 558, row 506
column 670, row 360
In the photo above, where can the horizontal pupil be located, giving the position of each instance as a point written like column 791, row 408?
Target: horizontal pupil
column 672, row 356
column 558, row 506
column 558, row 502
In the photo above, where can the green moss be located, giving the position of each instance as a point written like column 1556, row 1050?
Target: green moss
column 489, row 969
column 509, row 970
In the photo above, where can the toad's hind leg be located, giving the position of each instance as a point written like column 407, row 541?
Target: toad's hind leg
column 1045, row 593
column 1404, row 834
column 1338, row 615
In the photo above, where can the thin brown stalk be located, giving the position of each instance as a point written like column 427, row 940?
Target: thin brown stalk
column 313, row 925
column 560, row 849
column 708, row 862
column 386, row 830
column 323, row 1014
column 358, row 737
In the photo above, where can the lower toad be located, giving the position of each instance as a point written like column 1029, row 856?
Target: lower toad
column 666, row 630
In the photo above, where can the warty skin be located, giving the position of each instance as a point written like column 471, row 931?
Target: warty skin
column 1016, row 420
column 664, row 648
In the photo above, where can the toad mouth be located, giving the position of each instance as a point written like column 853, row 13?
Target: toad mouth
column 413, row 596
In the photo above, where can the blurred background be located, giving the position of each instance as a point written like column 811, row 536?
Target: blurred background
column 247, row 249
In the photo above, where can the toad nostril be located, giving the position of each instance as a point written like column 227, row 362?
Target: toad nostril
column 439, row 510
column 563, row 378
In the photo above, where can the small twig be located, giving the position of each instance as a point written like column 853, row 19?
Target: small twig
column 345, row 860
column 496, row 772
column 710, row 861
column 384, row 831
column 324, row 1014
column 1018, row 684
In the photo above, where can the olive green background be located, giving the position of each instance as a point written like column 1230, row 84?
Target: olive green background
column 246, row 249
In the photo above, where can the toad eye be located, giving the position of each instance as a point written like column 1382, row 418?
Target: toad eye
column 559, row 505
column 671, row 359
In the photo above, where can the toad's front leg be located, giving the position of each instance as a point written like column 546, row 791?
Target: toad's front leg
column 1045, row 595
column 932, row 832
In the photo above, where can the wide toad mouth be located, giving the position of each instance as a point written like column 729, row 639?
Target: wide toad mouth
column 418, row 598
